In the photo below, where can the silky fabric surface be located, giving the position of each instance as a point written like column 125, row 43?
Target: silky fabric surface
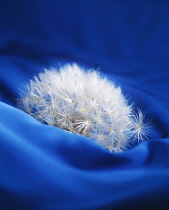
column 44, row 167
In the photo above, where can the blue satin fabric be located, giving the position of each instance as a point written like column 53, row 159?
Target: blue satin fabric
column 44, row 167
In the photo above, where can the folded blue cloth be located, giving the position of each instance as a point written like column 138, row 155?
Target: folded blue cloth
column 44, row 167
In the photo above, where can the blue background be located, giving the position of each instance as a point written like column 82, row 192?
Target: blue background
column 43, row 167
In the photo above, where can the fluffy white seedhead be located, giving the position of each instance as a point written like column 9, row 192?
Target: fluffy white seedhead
column 85, row 103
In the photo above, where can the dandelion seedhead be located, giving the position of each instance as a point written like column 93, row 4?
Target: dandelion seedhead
column 85, row 103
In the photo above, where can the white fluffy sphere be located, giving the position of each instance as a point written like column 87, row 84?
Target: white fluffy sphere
column 85, row 103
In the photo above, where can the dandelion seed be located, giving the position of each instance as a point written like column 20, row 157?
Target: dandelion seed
column 85, row 103
column 140, row 127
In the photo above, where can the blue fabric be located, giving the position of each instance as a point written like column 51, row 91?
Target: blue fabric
column 43, row 167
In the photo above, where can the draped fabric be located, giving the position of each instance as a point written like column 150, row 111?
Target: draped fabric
column 43, row 167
